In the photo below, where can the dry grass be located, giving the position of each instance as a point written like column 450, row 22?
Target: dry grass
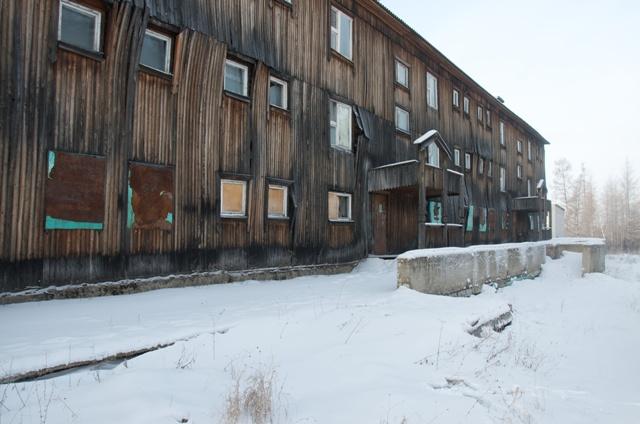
column 255, row 399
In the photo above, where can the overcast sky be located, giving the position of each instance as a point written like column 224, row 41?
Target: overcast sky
column 569, row 68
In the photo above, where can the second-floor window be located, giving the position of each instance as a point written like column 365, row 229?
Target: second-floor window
column 402, row 74
column 402, row 119
column 529, row 192
column 490, row 169
column 502, row 134
column 341, row 33
column 236, row 78
column 519, row 146
column 467, row 161
column 80, row 26
column 156, row 51
column 503, row 179
column 480, row 166
column 278, row 93
column 340, row 125
column 456, row 157
column 433, row 155
column 432, row 91
column 519, row 171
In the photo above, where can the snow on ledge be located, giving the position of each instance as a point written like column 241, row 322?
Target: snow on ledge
column 444, row 251
column 582, row 241
column 390, row 165
column 426, row 136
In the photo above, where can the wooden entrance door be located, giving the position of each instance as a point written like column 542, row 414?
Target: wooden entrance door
column 379, row 204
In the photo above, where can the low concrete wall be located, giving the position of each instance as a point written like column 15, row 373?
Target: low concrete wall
column 463, row 271
column 594, row 252
column 172, row 281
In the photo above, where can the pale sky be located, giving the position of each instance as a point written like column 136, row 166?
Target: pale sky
column 570, row 68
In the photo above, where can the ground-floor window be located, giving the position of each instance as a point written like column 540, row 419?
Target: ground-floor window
column 339, row 206
column 434, row 210
column 233, row 202
column 277, row 206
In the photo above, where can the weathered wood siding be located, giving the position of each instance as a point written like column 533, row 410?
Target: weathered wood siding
column 55, row 99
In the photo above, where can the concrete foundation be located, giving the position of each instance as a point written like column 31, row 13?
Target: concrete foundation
column 594, row 252
column 463, row 271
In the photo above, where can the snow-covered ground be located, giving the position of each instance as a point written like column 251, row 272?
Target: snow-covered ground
column 343, row 349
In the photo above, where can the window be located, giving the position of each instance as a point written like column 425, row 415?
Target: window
column 519, row 171
column 79, row 26
column 156, row 51
column 480, row 166
column 482, row 224
column 529, row 154
column 432, row 91
column 341, row 31
column 503, row 179
column 488, row 121
column 529, row 192
column 502, row 135
column 402, row 119
column 480, row 113
column 236, row 77
column 519, row 146
column 470, row 211
column 233, row 198
column 466, row 105
column 340, row 125
column 467, row 161
column 490, row 169
column 277, row 204
column 402, row 74
column 456, row 98
column 339, row 206
column 278, row 93
column 433, row 155
column 434, row 212
column 456, row 157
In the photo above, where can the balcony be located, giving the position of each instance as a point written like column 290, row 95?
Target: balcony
column 530, row 204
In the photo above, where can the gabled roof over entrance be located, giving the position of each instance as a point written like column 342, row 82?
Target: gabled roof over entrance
column 434, row 135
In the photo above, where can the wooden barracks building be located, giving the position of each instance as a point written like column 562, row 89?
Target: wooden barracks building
column 150, row 137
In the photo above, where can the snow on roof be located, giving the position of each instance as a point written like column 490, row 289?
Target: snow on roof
column 397, row 164
column 455, row 172
column 584, row 241
column 540, row 184
column 426, row 136
column 444, row 251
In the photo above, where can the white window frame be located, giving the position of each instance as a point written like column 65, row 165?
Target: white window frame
column 519, row 171
column 466, row 103
column 519, row 146
column 168, row 50
column 245, row 77
column 480, row 166
column 503, row 138
column 87, row 11
column 400, row 110
column 285, row 201
column 348, row 196
column 529, row 153
column 456, row 157
column 488, row 117
column 456, row 98
column 480, row 113
column 338, row 31
column 503, row 179
column 529, row 192
column 224, row 214
column 467, row 161
column 334, row 124
column 400, row 64
column 285, row 92
column 432, row 92
column 433, row 159
column 490, row 169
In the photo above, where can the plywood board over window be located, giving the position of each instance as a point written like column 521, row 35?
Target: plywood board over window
column 75, row 192
column 150, row 197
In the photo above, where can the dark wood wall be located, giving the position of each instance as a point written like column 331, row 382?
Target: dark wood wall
column 55, row 99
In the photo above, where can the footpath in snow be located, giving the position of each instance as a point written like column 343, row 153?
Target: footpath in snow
column 350, row 348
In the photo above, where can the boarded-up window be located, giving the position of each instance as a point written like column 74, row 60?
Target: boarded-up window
column 150, row 197
column 339, row 206
column 277, row 201
column 233, row 202
column 75, row 192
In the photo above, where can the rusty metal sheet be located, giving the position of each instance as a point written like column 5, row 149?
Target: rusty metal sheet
column 150, row 197
column 75, row 192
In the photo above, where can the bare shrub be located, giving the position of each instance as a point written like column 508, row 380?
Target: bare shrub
column 255, row 399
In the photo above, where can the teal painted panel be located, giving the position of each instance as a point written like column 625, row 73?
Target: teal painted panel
column 130, row 215
column 52, row 162
column 435, row 212
column 170, row 218
column 470, row 219
column 63, row 224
